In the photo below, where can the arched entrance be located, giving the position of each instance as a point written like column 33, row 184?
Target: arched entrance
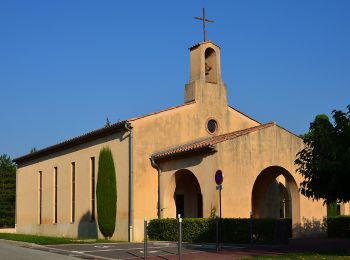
column 275, row 195
column 187, row 195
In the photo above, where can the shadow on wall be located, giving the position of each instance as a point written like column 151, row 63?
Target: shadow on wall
column 87, row 227
column 311, row 228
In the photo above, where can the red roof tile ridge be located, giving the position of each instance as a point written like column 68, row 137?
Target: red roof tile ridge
column 208, row 142
column 184, row 147
column 231, row 135
column 161, row 111
column 200, row 43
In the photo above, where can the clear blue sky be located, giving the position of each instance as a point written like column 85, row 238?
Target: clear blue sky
column 67, row 65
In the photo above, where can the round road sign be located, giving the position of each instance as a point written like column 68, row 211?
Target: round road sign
column 219, row 177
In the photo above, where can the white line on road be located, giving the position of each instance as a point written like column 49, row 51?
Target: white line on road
column 125, row 249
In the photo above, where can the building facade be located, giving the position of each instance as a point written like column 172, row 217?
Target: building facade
column 165, row 165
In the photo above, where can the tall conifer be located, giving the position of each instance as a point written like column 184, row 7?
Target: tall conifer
column 106, row 193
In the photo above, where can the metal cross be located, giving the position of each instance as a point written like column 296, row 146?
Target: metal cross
column 204, row 20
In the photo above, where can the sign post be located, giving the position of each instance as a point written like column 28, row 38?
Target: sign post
column 180, row 238
column 145, row 240
column 219, row 178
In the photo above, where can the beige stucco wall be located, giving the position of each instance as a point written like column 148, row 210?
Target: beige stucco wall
column 242, row 160
column 27, row 190
column 172, row 128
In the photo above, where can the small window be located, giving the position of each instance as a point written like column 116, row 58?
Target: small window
column 72, row 217
column 92, row 189
column 212, row 126
column 55, row 196
column 40, row 196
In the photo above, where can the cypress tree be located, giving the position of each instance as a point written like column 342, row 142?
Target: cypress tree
column 106, row 193
column 7, row 191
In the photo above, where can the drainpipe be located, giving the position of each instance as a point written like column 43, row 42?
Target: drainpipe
column 16, row 197
column 155, row 165
column 131, row 199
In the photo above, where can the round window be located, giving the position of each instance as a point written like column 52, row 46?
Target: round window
column 212, row 126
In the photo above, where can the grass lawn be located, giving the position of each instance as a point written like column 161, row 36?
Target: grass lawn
column 44, row 240
column 304, row 256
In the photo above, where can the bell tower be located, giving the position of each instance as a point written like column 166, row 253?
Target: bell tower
column 205, row 74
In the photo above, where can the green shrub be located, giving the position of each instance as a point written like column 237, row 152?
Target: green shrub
column 106, row 193
column 338, row 226
column 332, row 209
column 234, row 230
column 7, row 222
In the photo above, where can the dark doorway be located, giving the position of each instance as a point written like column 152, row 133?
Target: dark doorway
column 188, row 196
column 180, row 205
column 200, row 205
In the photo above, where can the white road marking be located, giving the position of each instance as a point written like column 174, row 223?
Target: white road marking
column 151, row 252
column 94, row 256
column 103, row 246
column 74, row 252
column 162, row 243
column 124, row 249
column 109, row 248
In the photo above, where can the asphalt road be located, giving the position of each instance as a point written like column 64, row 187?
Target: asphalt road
column 128, row 251
column 156, row 250
column 16, row 251
column 164, row 250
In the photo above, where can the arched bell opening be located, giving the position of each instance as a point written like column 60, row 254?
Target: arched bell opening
column 210, row 66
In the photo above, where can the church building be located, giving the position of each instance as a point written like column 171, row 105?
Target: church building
column 165, row 165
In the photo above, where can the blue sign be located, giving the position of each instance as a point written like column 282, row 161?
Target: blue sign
column 219, row 177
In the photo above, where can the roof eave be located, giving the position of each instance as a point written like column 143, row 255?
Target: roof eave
column 99, row 133
column 206, row 148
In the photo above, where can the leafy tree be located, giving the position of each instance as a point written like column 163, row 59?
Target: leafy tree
column 325, row 160
column 7, row 191
column 106, row 193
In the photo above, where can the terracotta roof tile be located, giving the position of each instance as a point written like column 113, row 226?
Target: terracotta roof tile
column 206, row 143
column 113, row 128
column 200, row 43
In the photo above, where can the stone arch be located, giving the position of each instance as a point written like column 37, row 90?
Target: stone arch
column 272, row 186
column 210, row 65
column 185, row 196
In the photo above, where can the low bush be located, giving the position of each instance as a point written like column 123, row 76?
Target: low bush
column 7, row 222
column 233, row 230
column 338, row 226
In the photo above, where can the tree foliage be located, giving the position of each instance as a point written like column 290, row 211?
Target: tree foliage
column 106, row 193
column 325, row 160
column 7, row 191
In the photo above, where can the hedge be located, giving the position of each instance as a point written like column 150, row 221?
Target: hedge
column 106, row 193
column 234, row 230
column 338, row 226
column 7, row 222
column 332, row 209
